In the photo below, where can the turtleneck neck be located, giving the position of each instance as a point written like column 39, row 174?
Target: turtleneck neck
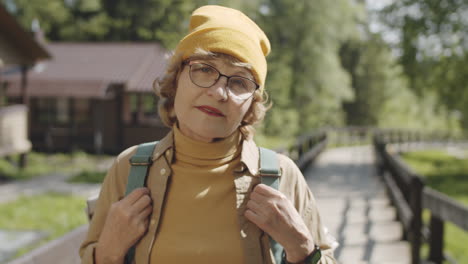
column 188, row 149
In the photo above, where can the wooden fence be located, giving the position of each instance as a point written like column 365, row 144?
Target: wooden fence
column 307, row 148
column 410, row 195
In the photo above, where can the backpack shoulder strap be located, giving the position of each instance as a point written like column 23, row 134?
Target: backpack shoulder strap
column 140, row 163
column 270, row 173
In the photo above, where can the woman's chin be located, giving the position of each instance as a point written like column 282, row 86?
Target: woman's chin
column 212, row 134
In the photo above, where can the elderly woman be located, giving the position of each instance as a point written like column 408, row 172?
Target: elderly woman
column 203, row 200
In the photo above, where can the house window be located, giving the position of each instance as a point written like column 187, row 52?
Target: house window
column 133, row 103
column 82, row 110
column 149, row 105
column 63, row 110
column 46, row 110
column 59, row 110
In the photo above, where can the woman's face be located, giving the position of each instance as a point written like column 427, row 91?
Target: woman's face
column 208, row 113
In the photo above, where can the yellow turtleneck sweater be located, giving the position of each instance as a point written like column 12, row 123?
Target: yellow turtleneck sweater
column 199, row 220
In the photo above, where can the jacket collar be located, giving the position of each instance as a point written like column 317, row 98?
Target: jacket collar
column 165, row 146
column 249, row 155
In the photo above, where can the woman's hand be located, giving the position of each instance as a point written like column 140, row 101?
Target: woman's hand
column 272, row 212
column 126, row 222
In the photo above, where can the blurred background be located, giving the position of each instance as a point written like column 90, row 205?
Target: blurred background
column 76, row 86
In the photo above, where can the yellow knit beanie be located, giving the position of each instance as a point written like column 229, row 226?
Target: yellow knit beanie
column 226, row 30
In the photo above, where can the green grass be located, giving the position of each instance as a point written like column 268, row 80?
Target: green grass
column 42, row 164
column 448, row 175
column 441, row 172
column 88, row 176
column 55, row 214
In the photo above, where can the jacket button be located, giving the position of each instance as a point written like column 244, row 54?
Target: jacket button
column 163, row 171
column 152, row 222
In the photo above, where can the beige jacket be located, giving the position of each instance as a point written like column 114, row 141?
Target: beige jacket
column 255, row 241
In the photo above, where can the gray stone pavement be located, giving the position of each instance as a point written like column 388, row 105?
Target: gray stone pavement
column 355, row 208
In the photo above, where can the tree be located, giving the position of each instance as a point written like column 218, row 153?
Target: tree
column 107, row 20
column 434, row 44
column 306, row 80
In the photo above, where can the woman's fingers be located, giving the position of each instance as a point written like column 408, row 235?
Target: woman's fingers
column 265, row 190
column 140, row 205
column 257, row 197
column 143, row 215
column 254, row 206
column 135, row 195
column 253, row 217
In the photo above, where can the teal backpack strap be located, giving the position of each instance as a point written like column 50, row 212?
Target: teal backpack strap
column 140, row 163
column 270, row 173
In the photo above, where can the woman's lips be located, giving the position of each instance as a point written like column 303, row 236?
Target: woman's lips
column 210, row 110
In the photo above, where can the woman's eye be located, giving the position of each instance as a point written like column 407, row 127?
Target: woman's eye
column 238, row 83
column 202, row 68
column 206, row 69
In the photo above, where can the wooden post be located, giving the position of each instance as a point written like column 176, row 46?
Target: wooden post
column 436, row 251
column 416, row 207
column 23, row 160
column 73, row 132
column 24, row 84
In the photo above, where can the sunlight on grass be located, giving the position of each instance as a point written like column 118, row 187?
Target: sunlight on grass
column 88, row 176
column 43, row 163
column 441, row 171
column 55, row 214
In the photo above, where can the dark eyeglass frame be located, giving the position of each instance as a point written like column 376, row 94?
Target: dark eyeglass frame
column 190, row 63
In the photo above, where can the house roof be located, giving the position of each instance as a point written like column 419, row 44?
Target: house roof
column 90, row 69
column 18, row 46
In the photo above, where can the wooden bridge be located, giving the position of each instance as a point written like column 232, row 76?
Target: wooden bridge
column 371, row 219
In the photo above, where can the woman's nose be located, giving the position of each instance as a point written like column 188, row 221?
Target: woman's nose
column 219, row 90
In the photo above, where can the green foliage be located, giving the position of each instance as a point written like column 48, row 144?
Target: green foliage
column 109, row 20
column 433, row 49
column 447, row 174
column 305, row 80
column 376, row 79
column 88, row 176
column 39, row 164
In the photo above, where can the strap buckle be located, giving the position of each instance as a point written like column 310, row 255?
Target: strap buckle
column 137, row 160
column 271, row 173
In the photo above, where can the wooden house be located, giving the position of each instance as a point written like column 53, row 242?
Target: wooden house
column 93, row 96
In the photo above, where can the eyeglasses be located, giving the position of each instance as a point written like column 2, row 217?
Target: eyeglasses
column 205, row 76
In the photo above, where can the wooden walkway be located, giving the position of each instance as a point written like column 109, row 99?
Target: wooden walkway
column 355, row 207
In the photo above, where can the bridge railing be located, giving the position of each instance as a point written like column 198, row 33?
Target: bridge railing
column 306, row 148
column 410, row 195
